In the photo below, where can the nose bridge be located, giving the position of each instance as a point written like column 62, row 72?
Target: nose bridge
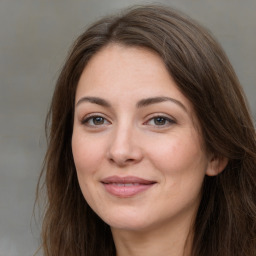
column 123, row 146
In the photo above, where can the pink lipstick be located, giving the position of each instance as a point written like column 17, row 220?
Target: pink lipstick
column 126, row 186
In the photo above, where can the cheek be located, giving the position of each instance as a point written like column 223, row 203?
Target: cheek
column 175, row 152
column 182, row 164
column 180, row 159
column 87, row 154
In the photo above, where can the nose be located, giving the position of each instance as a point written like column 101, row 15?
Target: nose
column 124, row 147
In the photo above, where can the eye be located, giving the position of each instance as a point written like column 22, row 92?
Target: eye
column 95, row 121
column 160, row 121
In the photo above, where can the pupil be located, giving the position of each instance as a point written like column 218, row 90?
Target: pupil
column 160, row 120
column 98, row 120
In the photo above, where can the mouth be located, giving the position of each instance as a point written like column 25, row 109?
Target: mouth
column 128, row 186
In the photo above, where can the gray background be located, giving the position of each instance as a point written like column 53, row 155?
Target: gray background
column 35, row 37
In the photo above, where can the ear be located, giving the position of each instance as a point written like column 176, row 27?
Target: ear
column 216, row 165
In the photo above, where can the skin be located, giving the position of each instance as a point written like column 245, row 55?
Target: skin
column 114, row 136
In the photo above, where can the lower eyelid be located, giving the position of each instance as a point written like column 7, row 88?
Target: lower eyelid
column 168, row 119
column 87, row 118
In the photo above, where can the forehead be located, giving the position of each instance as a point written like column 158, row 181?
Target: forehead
column 116, row 62
column 119, row 72
column 124, row 75
column 139, row 62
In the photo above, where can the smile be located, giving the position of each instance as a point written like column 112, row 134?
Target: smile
column 126, row 186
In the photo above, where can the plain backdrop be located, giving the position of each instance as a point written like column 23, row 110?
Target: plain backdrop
column 35, row 36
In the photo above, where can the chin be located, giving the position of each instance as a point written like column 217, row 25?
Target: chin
column 129, row 222
column 129, row 226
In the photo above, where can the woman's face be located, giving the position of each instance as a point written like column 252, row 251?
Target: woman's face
column 139, row 157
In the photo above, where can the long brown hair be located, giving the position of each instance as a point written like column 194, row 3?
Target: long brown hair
column 226, row 220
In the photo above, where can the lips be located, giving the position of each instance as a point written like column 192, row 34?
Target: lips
column 126, row 186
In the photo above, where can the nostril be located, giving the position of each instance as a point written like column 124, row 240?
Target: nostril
column 124, row 154
column 122, row 161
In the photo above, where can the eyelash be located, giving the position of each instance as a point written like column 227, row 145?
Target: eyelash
column 167, row 121
column 93, row 118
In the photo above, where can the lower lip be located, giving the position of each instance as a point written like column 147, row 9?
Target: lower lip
column 126, row 191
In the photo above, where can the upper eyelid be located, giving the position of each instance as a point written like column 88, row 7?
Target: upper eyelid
column 146, row 119
column 167, row 116
column 94, row 114
column 87, row 117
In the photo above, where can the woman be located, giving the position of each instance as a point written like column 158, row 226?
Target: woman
column 151, row 146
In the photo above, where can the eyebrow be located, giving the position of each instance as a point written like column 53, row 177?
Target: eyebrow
column 95, row 100
column 140, row 104
column 154, row 100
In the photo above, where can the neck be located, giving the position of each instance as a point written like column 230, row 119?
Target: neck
column 174, row 239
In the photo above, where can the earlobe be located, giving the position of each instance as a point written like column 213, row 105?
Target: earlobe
column 216, row 165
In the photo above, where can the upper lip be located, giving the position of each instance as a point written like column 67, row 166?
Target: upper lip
column 126, row 180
